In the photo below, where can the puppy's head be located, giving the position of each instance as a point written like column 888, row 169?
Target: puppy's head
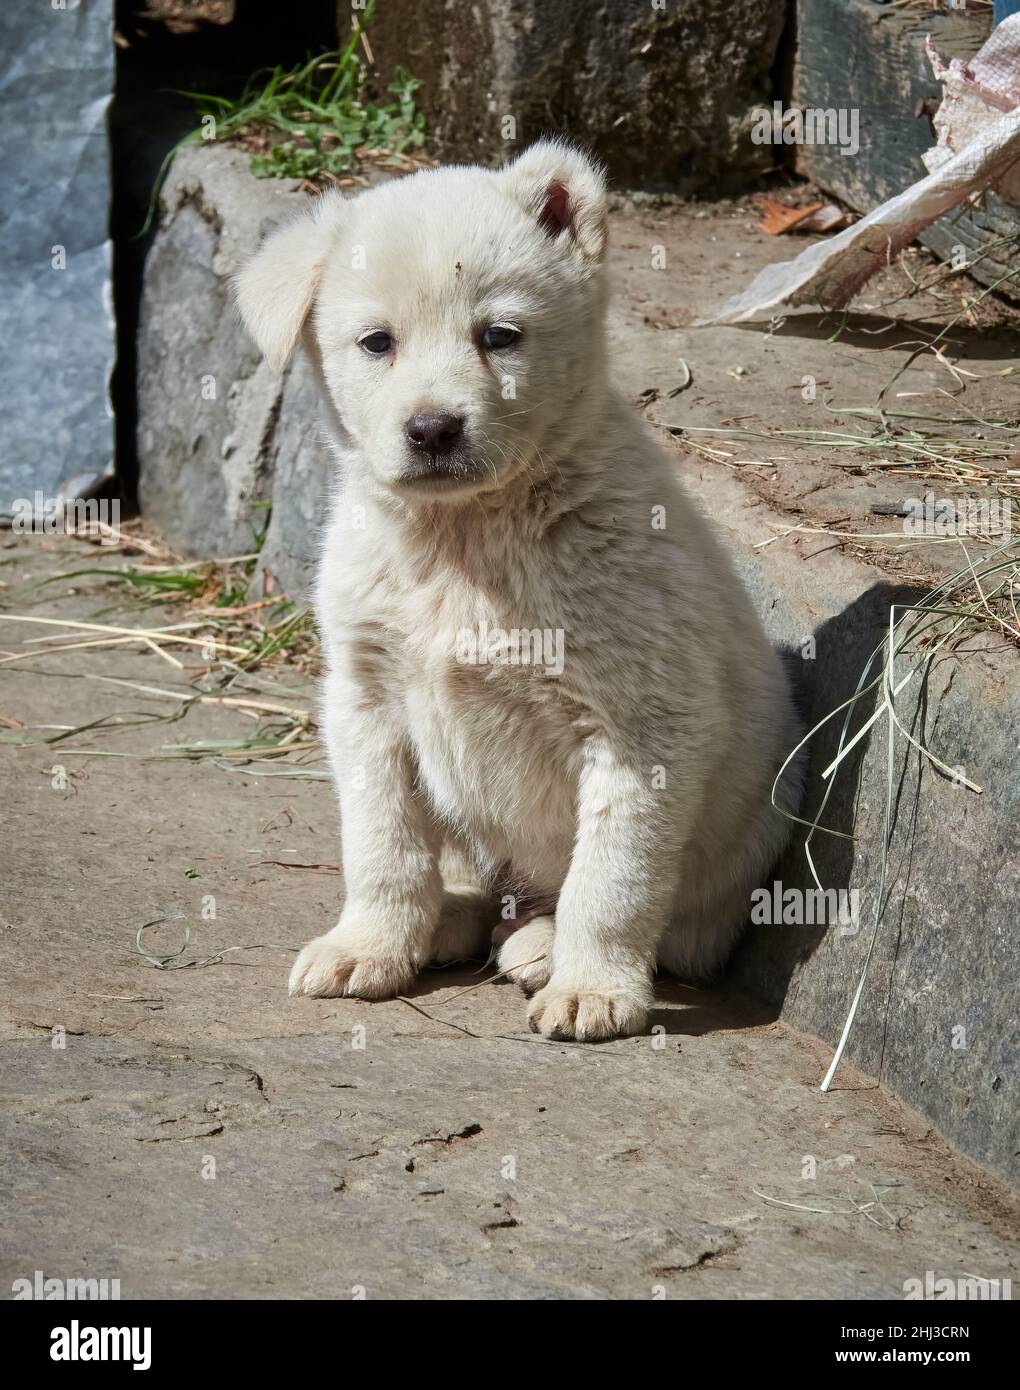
column 458, row 315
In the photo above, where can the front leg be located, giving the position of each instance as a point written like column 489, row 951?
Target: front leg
column 615, row 902
column 390, row 855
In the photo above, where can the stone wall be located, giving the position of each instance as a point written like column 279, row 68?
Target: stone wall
column 225, row 445
column 662, row 93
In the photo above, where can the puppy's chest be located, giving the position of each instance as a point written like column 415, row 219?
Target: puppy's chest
column 488, row 707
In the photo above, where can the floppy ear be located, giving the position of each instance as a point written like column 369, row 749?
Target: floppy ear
column 565, row 192
column 276, row 288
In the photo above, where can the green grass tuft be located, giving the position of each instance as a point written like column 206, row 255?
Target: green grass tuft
column 316, row 121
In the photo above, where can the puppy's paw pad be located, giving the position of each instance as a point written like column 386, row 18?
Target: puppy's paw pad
column 327, row 968
column 585, row 1015
column 526, row 954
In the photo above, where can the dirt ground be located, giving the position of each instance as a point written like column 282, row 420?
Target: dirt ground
column 821, row 373
column 195, row 1132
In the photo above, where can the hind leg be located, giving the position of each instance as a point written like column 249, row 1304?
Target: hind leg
column 708, row 922
column 464, row 929
column 701, row 936
column 526, row 953
column 467, row 911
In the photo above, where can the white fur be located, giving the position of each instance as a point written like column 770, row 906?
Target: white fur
column 629, row 795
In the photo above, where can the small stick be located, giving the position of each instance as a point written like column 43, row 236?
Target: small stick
column 245, row 608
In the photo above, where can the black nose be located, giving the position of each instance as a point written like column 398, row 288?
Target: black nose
column 434, row 433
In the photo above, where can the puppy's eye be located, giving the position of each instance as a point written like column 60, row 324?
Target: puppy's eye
column 499, row 335
column 376, row 343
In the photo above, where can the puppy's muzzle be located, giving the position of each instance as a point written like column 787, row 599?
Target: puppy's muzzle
column 438, row 457
column 435, row 434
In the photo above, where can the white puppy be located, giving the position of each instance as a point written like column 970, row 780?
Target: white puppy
column 545, row 685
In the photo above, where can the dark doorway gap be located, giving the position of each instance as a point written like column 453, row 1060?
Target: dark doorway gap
column 156, row 65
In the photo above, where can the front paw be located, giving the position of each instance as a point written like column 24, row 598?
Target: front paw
column 333, row 965
column 586, row 1015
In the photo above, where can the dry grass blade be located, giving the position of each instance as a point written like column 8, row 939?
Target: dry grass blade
column 152, row 635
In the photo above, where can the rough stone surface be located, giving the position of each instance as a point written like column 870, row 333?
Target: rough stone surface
column 197, row 1134
column 224, row 443
column 56, row 76
column 663, row 94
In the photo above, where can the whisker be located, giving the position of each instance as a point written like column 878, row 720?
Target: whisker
column 525, row 411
